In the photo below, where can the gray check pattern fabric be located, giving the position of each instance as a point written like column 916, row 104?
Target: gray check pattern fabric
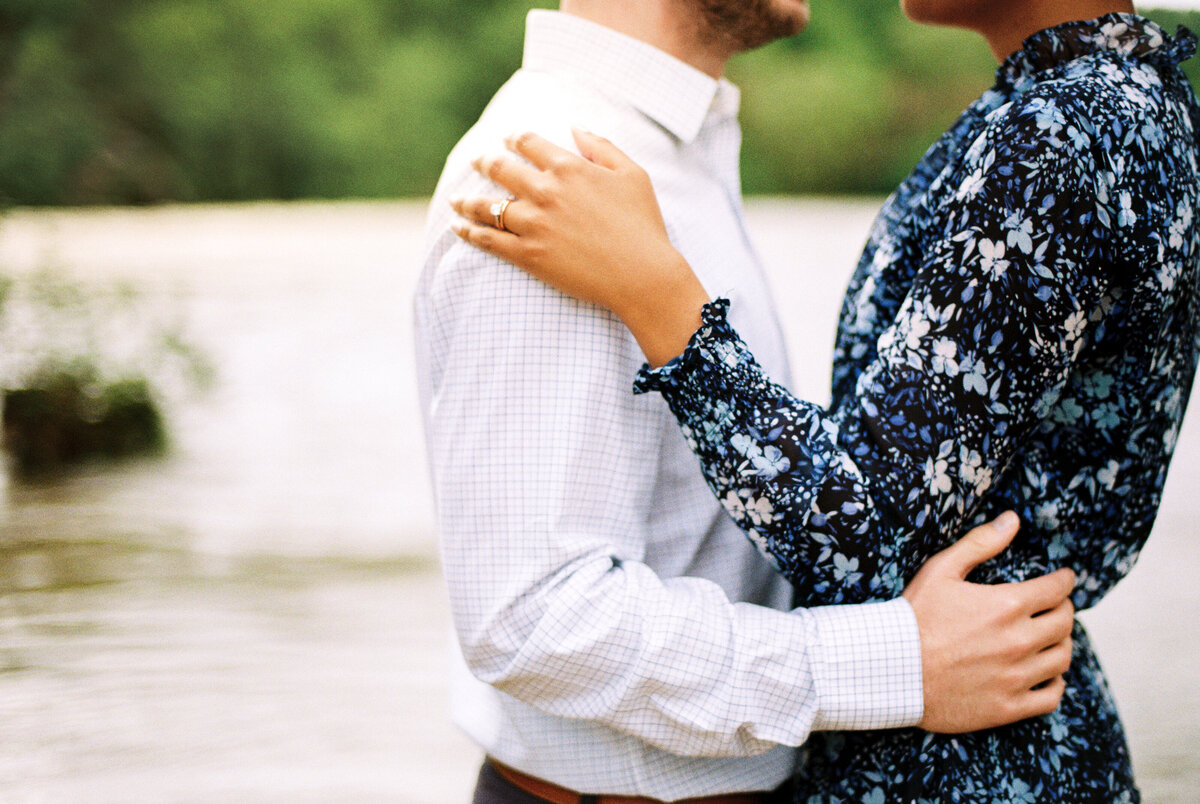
column 617, row 633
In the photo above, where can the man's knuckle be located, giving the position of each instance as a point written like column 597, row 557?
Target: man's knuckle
column 1011, row 605
column 1015, row 678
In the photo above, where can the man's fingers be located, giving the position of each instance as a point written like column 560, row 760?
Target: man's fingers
column 1046, row 592
column 980, row 544
column 1053, row 626
column 1049, row 664
column 1041, row 701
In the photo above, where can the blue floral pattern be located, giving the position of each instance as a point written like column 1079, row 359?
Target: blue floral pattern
column 1021, row 332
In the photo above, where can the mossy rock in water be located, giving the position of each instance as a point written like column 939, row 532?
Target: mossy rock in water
column 64, row 420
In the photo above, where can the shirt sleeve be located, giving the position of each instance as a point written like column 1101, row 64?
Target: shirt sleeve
column 542, row 473
column 848, row 502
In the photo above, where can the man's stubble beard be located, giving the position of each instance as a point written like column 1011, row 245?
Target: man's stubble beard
column 740, row 25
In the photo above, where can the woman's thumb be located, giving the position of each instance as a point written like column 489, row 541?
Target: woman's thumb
column 595, row 148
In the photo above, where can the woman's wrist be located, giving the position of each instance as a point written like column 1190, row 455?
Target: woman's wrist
column 664, row 318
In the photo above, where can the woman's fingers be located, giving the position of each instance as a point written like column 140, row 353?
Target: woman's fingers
column 511, row 174
column 505, row 245
column 483, row 211
column 543, row 154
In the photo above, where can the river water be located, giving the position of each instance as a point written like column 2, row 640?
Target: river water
column 258, row 616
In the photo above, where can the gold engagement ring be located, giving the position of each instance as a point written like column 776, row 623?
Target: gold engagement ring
column 498, row 210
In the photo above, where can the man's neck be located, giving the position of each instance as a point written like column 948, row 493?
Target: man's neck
column 660, row 23
column 1017, row 21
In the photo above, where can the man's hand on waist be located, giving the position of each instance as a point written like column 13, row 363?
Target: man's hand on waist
column 990, row 655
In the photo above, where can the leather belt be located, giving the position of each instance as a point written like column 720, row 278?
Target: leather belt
column 548, row 791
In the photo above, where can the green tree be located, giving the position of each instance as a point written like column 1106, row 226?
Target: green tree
column 140, row 101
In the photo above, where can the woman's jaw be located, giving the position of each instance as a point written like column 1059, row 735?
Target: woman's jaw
column 1005, row 24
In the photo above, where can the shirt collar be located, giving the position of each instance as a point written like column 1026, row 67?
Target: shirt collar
column 673, row 94
column 1126, row 34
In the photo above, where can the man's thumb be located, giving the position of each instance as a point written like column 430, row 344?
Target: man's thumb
column 981, row 543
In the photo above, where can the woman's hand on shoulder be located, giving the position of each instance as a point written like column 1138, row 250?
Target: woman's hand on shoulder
column 592, row 228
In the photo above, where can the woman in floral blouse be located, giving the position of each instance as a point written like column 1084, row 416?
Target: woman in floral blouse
column 1021, row 333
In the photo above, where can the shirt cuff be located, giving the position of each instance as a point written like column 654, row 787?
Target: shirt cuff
column 867, row 667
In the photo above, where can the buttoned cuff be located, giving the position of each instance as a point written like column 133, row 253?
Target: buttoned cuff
column 867, row 667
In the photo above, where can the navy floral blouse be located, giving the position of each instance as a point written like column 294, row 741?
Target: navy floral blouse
column 1021, row 332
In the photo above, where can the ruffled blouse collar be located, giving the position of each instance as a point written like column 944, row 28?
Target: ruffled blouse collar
column 1126, row 34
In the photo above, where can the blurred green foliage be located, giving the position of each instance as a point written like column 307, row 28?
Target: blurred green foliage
column 87, row 370
column 140, row 101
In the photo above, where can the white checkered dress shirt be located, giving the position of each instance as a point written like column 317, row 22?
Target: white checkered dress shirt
column 621, row 635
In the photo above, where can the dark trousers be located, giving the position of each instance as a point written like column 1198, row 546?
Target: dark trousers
column 492, row 788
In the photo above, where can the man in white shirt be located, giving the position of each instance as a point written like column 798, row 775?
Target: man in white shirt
column 619, row 636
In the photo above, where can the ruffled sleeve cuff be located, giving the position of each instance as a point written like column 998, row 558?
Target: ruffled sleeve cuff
column 714, row 341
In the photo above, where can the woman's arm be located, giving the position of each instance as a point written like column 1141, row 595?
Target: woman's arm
column 591, row 228
column 848, row 502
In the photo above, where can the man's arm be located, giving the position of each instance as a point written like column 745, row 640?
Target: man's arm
column 543, row 469
column 542, row 551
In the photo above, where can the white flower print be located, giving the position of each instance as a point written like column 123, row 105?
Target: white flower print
column 845, row 569
column 1108, row 475
column 770, row 462
column 1045, row 516
column 972, row 372
column 993, row 267
column 1020, row 232
column 1074, row 325
column 991, row 254
column 973, row 471
column 760, row 510
column 1125, row 215
column 734, row 506
column 944, row 352
column 937, row 475
column 918, row 327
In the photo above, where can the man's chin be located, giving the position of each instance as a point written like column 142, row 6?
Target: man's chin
column 800, row 18
column 790, row 17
